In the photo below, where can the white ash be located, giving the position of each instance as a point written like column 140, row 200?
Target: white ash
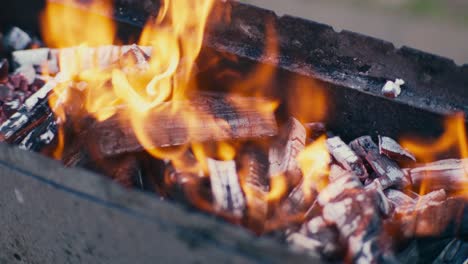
column 393, row 89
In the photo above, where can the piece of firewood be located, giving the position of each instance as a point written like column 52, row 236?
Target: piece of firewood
column 227, row 192
column 283, row 152
column 41, row 136
column 33, row 112
column 217, row 119
column 432, row 215
column 318, row 236
column 346, row 157
column 450, row 175
column 354, row 211
column 253, row 173
column 385, row 207
column 87, row 57
column 393, row 150
column 388, row 172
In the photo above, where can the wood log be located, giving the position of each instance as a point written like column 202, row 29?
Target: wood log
column 346, row 157
column 384, row 205
column 354, row 211
column 433, row 215
column 41, row 136
column 253, row 173
column 217, row 119
column 450, row 175
column 318, row 236
column 87, row 57
column 33, row 112
column 283, row 152
column 388, row 172
column 227, row 192
column 393, row 150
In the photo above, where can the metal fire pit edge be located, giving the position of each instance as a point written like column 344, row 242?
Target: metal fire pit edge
column 53, row 214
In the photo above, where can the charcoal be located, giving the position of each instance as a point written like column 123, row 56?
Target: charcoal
column 227, row 192
column 318, row 236
column 188, row 187
column 283, row 152
column 123, row 169
column 450, row 175
column 16, row 39
column 385, row 207
column 115, row 135
column 388, row 172
column 346, row 157
column 296, row 205
column 4, row 69
column 28, row 115
column 353, row 210
column 41, row 136
column 315, row 130
column 455, row 252
column 253, row 172
column 393, row 150
column 432, row 215
column 399, row 199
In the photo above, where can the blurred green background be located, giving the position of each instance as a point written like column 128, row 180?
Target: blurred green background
column 436, row 26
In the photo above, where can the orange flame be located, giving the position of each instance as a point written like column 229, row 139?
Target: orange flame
column 314, row 162
column 453, row 138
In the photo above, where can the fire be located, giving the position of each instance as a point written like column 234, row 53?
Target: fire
column 314, row 162
column 454, row 138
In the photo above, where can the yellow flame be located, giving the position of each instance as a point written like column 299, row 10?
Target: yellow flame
column 314, row 162
column 453, row 138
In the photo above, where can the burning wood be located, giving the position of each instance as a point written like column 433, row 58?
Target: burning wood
column 318, row 236
column 346, row 157
column 227, row 193
column 347, row 205
column 41, row 136
column 450, row 175
column 34, row 110
column 253, row 172
column 388, row 172
column 283, row 152
column 393, row 150
column 217, row 119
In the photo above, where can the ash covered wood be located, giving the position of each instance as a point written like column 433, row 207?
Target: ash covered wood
column 34, row 110
column 393, row 150
column 41, row 136
column 283, row 152
column 16, row 39
column 253, row 172
column 388, row 172
column 227, row 192
column 89, row 57
column 318, row 236
column 346, row 157
column 450, row 175
column 216, row 119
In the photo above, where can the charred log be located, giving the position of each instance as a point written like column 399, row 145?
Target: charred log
column 41, row 136
column 388, row 172
column 346, row 157
column 393, row 150
column 450, row 175
column 283, row 152
column 217, row 119
column 227, row 192
column 253, row 172
column 318, row 236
